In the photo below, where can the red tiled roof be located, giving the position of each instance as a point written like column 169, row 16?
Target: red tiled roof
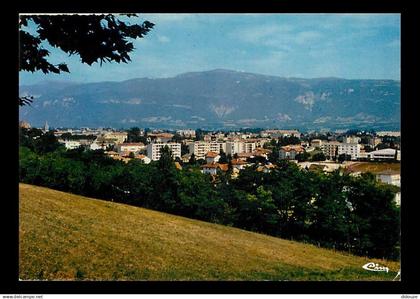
column 210, row 165
column 238, row 162
column 261, row 151
column 211, row 155
column 245, row 155
column 223, row 167
column 268, row 166
column 288, row 148
column 161, row 135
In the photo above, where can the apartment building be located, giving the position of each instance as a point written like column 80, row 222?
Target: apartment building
column 130, row 147
column 70, row 144
column 289, row 152
column 201, row 148
column 153, row 150
column 316, row 143
column 352, row 149
column 242, row 146
column 329, row 149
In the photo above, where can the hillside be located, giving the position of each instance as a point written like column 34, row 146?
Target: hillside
column 217, row 99
column 67, row 237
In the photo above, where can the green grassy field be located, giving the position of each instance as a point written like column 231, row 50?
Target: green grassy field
column 69, row 237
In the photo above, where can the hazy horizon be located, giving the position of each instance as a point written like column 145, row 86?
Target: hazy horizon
column 350, row 46
column 209, row 70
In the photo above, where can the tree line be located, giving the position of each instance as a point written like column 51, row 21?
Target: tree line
column 332, row 210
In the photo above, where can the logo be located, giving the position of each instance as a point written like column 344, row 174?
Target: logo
column 375, row 267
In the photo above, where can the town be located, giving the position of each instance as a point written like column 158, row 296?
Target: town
column 218, row 151
column 209, row 147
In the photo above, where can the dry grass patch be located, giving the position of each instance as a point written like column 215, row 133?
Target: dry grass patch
column 374, row 167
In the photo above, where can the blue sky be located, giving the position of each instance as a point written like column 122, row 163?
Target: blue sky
column 352, row 46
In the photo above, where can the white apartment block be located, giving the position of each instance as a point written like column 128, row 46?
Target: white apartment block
column 329, row 149
column 352, row 149
column 259, row 142
column 233, row 147
column 316, row 143
column 130, row 147
column 153, row 150
column 237, row 147
column 217, row 147
column 201, row 148
column 249, row 147
column 70, row 144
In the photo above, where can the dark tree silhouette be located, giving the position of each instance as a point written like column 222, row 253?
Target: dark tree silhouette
column 95, row 38
column 25, row 100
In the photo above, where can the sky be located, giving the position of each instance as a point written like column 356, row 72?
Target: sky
column 351, row 46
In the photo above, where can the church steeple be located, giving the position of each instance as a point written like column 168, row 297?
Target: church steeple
column 46, row 127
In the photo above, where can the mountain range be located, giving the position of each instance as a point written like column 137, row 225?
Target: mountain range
column 217, row 99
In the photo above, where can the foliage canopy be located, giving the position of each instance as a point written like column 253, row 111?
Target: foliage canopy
column 95, row 38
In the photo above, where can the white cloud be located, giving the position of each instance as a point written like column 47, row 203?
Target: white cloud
column 283, row 117
column 281, row 37
column 256, row 34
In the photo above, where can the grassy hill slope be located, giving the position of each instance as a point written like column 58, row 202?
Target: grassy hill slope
column 68, row 237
